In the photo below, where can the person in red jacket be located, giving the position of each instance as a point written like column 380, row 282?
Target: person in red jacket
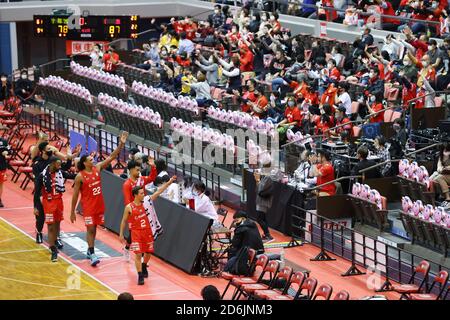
column 190, row 27
column 333, row 72
column 387, row 23
column 324, row 172
column 375, row 106
column 246, row 58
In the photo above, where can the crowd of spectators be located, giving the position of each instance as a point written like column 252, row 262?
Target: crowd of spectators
column 275, row 76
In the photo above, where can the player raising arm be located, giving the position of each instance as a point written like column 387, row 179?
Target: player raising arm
column 88, row 184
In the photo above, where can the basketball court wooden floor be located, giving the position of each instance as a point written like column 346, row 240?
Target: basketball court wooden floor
column 26, row 271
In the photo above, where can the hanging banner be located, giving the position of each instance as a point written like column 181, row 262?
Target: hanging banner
column 82, row 47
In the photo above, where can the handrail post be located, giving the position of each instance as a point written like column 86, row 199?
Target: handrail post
column 353, row 270
column 323, row 255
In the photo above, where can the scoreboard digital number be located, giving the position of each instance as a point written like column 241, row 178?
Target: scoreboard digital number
column 100, row 28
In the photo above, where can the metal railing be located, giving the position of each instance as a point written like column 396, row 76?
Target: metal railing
column 373, row 254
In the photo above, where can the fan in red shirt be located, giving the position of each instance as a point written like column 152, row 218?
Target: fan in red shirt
column 324, row 172
column 343, row 123
column 246, row 56
column 190, row 27
column 178, row 26
column 88, row 184
column 247, row 96
column 110, row 60
column 141, row 232
column 375, row 106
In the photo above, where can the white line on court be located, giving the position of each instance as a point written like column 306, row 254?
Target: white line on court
column 18, row 251
column 64, row 258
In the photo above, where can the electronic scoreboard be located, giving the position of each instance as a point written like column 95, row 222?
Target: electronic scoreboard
column 100, row 28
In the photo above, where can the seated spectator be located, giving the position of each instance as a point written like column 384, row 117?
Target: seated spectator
column 246, row 235
column 210, row 293
column 302, row 173
column 203, row 205
column 342, row 122
column 362, row 153
column 375, row 107
column 400, row 132
column 260, row 106
column 384, row 154
column 232, row 72
column 343, row 99
column 23, row 87
column 201, row 88
column 442, row 175
column 275, row 109
column 292, row 118
column 324, row 171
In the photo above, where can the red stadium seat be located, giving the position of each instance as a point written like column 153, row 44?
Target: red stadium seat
column 309, row 285
column 324, row 291
column 440, row 280
column 260, row 266
column 284, row 274
column 228, row 276
column 342, row 295
column 405, row 289
column 271, row 271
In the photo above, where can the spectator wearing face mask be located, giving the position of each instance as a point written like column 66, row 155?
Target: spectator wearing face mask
column 203, row 204
column 292, row 118
column 260, row 106
column 217, row 19
column 362, row 153
column 343, row 98
column 232, row 72
column 375, row 84
column 343, row 122
column 375, row 106
column 23, row 86
column 201, row 88
column 387, row 23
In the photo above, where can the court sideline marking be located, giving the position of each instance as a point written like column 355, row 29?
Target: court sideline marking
column 61, row 256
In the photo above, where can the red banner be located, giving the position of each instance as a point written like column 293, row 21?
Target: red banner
column 82, row 47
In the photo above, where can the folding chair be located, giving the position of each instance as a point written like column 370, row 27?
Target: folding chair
column 309, row 285
column 228, row 276
column 422, row 268
column 441, row 280
column 285, row 274
column 271, row 270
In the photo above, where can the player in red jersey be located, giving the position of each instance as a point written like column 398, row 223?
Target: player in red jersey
column 50, row 185
column 135, row 179
column 88, row 183
column 141, row 233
